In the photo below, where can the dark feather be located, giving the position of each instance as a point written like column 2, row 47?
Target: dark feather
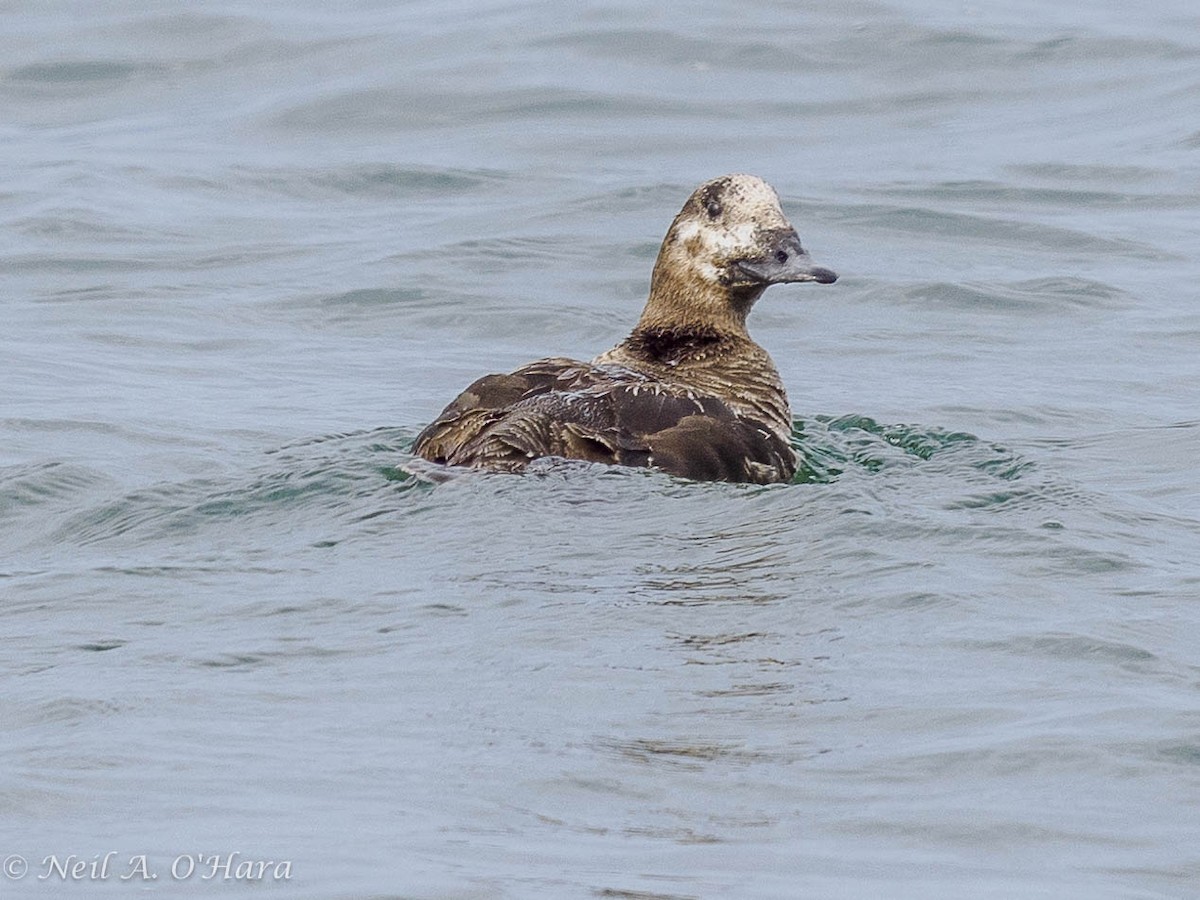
column 608, row 414
column 666, row 344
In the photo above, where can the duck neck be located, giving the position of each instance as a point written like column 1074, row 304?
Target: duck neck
column 685, row 302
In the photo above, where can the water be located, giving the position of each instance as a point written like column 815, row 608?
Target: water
column 249, row 250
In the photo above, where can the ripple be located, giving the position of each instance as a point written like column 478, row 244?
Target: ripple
column 990, row 231
column 35, row 484
column 661, row 47
column 1000, row 193
column 681, row 753
column 1072, row 648
column 829, row 445
column 437, row 108
column 381, row 181
column 1185, row 753
column 325, row 483
column 79, row 72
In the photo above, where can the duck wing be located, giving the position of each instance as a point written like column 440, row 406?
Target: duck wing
column 452, row 437
column 602, row 413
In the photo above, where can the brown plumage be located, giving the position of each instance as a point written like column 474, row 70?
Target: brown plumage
column 688, row 392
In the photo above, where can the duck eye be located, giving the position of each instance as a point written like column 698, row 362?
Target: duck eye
column 714, row 209
column 781, row 257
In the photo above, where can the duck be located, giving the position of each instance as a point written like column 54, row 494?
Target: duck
column 687, row 392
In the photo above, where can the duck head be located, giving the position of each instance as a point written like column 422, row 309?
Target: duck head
column 729, row 243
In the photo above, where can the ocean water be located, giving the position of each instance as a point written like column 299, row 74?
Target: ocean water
column 247, row 250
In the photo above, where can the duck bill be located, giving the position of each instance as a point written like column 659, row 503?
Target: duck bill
column 785, row 262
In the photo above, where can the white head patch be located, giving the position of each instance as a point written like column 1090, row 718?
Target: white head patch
column 726, row 219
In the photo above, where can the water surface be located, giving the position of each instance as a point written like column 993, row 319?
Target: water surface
column 249, row 251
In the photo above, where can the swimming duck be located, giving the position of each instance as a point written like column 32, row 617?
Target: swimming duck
column 688, row 392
